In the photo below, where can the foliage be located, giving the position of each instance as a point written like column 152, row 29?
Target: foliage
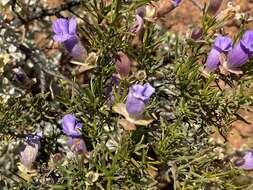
column 173, row 152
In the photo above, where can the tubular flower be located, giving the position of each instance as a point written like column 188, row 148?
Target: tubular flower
column 242, row 52
column 71, row 127
column 222, row 44
column 30, row 152
column 65, row 32
column 137, row 97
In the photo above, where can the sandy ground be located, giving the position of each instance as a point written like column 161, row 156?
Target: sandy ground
column 188, row 15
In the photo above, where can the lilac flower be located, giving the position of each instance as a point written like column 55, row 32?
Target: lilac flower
column 65, row 32
column 77, row 145
column 64, row 29
column 247, row 163
column 138, row 25
column 176, row 2
column 29, row 153
column 71, row 126
column 123, row 64
column 137, row 97
column 222, row 44
column 241, row 53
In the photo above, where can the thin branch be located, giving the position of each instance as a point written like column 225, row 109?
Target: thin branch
column 45, row 12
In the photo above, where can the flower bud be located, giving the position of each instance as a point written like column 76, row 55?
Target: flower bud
column 214, row 6
column 123, row 64
column 196, row 33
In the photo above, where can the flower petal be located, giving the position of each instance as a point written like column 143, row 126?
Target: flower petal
column 237, row 57
column 61, row 37
column 247, row 41
column 223, row 44
column 134, row 106
column 212, row 62
column 72, row 26
column 248, row 161
column 60, row 26
column 148, row 91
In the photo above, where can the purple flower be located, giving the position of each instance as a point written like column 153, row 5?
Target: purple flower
column 137, row 97
column 222, row 44
column 247, row 161
column 65, row 32
column 176, row 2
column 29, row 153
column 138, row 25
column 77, row 145
column 71, row 126
column 64, row 29
column 74, row 47
column 241, row 53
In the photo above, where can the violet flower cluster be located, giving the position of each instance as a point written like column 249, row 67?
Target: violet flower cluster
column 71, row 127
column 236, row 56
column 137, row 98
column 65, row 32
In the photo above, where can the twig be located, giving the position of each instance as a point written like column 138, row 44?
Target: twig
column 45, row 12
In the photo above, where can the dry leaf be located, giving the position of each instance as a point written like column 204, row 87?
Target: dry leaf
column 120, row 108
column 127, row 125
column 25, row 173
